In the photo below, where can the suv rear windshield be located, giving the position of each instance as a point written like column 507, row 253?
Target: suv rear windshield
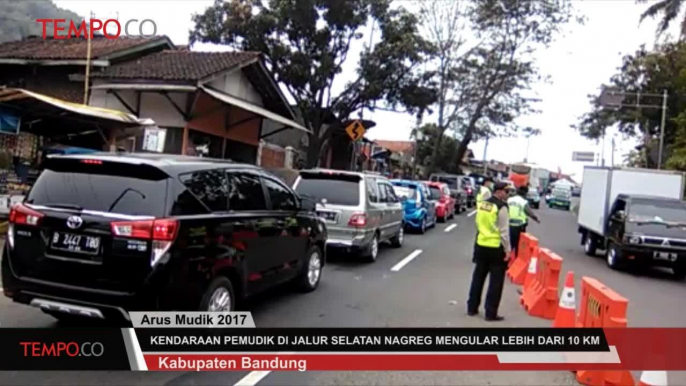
column 336, row 189
column 107, row 187
column 409, row 192
column 451, row 181
column 435, row 192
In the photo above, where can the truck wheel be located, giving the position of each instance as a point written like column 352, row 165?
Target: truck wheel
column 679, row 273
column 613, row 257
column 590, row 245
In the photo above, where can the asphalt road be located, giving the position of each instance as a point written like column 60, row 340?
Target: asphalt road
column 428, row 291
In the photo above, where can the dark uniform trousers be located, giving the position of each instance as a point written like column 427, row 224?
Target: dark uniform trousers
column 515, row 233
column 488, row 261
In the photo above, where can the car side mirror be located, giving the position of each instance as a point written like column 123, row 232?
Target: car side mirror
column 307, row 204
column 620, row 215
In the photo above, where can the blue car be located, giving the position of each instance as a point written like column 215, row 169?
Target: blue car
column 419, row 207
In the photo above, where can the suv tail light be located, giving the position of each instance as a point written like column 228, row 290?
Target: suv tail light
column 21, row 214
column 358, row 220
column 162, row 232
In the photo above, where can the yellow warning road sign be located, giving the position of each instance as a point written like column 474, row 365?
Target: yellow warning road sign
column 355, row 130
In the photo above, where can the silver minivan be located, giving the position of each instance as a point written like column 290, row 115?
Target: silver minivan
column 360, row 210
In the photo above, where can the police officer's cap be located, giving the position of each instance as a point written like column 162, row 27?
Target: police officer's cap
column 488, row 179
column 500, row 186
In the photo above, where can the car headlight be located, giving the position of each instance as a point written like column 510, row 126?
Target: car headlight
column 633, row 239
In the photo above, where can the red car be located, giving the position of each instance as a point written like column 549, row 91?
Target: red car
column 445, row 205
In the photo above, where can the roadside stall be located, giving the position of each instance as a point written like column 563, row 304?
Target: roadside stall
column 33, row 126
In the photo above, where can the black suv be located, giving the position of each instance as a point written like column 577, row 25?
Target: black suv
column 102, row 234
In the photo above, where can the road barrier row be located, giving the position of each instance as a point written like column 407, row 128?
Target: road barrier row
column 538, row 270
column 540, row 298
column 528, row 246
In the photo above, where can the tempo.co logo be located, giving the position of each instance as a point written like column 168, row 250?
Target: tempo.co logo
column 110, row 28
column 58, row 349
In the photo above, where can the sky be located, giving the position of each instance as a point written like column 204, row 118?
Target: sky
column 578, row 63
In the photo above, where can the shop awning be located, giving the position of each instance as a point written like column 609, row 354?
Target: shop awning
column 229, row 99
column 33, row 106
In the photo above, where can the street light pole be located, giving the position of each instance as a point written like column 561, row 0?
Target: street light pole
column 662, row 129
column 485, row 150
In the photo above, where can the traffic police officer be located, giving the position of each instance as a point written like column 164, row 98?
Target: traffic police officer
column 491, row 253
column 519, row 212
column 484, row 190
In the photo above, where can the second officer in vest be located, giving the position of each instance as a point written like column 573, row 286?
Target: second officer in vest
column 520, row 212
column 484, row 190
column 491, row 253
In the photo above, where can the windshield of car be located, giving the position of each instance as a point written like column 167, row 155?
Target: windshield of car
column 435, row 192
column 108, row 187
column 451, row 181
column 561, row 193
column 404, row 191
column 657, row 211
column 336, row 189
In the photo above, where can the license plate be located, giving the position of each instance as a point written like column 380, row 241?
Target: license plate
column 664, row 256
column 75, row 243
column 328, row 216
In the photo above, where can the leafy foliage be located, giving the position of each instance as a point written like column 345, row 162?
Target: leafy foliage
column 494, row 68
column 668, row 10
column 18, row 18
column 447, row 153
column 644, row 76
column 306, row 42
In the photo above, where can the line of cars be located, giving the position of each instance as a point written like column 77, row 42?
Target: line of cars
column 102, row 234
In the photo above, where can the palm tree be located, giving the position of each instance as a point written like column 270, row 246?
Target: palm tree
column 669, row 9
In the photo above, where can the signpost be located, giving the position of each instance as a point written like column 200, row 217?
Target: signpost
column 583, row 156
column 355, row 130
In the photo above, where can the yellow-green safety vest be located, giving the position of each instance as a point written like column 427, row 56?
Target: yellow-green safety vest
column 487, row 224
column 517, row 212
column 482, row 191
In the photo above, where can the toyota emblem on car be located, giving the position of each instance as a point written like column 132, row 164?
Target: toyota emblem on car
column 74, row 222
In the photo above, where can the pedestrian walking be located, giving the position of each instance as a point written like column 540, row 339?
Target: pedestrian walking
column 491, row 253
column 520, row 212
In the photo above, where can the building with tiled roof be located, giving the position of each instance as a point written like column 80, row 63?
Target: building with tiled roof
column 56, row 67
column 223, row 104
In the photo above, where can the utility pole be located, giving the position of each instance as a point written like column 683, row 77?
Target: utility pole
column 485, row 162
column 662, row 129
column 88, row 60
column 613, row 152
column 602, row 159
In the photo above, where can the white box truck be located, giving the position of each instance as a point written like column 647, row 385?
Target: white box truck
column 637, row 216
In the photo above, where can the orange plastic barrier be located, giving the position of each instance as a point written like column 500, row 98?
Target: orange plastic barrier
column 528, row 246
column 540, row 297
column 602, row 307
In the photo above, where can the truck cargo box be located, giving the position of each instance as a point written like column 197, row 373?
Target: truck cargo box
column 602, row 185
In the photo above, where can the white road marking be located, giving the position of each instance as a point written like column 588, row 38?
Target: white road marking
column 448, row 229
column 472, row 213
column 406, row 260
column 252, row 379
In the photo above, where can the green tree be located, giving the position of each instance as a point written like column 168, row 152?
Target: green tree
column 18, row 18
column 305, row 44
column 445, row 156
column 489, row 71
column 644, row 76
column 668, row 10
